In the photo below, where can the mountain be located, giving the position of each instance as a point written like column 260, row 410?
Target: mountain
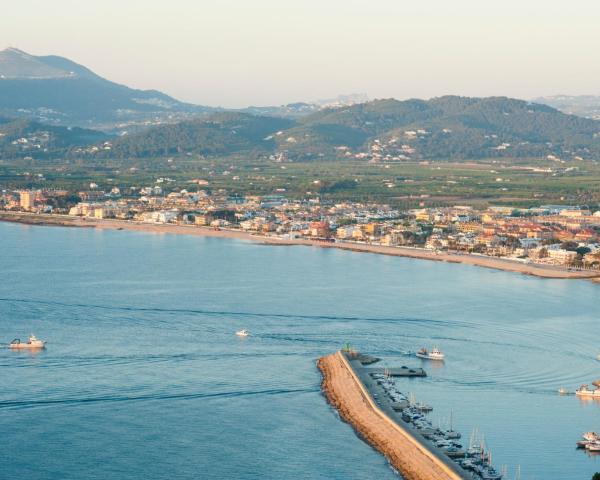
column 443, row 128
column 220, row 134
column 301, row 109
column 58, row 91
column 291, row 110
column 28, row 138
column 583, row 105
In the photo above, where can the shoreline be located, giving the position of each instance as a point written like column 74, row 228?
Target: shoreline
column 406, row 453
column 542, row 271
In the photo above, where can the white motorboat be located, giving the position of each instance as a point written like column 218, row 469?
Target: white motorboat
column 584, row 391
column 435, row 354
column 593, row 446
column 32, row 343
column 563, row 391
column 242, row 333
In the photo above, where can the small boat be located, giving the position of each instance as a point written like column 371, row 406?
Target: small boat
column 242, row 333
column 563, row 391
column 593, row 446
column 423, row 407
column 33, row 342
column 584, row 391
column 435, row 354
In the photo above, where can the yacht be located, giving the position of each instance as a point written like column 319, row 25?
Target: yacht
column 242, row 333
column 435, row 354
column 584, row 391
column 33, row 342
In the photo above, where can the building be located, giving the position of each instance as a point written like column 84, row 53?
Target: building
column 27, row 199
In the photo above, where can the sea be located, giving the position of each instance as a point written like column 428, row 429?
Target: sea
column 144, row 378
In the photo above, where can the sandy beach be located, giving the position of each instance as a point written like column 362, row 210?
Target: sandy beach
column 544, row 271
column 401, row 448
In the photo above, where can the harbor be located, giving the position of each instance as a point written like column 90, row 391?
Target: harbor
column 395, row 424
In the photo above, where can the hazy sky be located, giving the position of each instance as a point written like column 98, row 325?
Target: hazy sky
column 241, row 52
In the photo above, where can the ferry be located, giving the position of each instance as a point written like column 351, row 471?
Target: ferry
column 584, row 391
column 33, row 342
column 435, row 354
column 242, row 333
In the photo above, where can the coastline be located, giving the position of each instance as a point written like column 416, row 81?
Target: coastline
column 542, row 271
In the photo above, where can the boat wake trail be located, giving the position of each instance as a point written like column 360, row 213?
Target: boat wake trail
column 178, row 311
column 23, row 404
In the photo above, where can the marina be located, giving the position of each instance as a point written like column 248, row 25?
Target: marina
column 388, row 405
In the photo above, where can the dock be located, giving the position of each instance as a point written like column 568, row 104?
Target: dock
column 351, row 389
column 398, row 372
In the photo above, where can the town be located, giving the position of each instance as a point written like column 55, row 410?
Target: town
column 558, row 235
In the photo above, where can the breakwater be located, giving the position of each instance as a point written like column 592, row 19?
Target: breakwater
column 406, row 452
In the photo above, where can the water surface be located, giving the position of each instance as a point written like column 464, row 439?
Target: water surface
column 144, row 378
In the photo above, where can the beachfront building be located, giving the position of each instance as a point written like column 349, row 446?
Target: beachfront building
column 27, row 199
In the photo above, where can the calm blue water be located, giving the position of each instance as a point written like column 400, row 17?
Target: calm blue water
column 144, row 378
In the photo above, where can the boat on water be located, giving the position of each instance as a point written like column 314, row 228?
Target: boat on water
column 593, row 447
column 31, row 343
column 435, row 354
column 591, row 442
column 242, row 333
column 423, row 407
column 563, row 391
column 584, row 391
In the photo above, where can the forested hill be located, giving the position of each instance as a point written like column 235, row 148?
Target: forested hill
column 221, row 134
column 26, row 138
column 445, row 128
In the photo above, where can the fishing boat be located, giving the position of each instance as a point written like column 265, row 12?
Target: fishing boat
column 584, row 391
column 32, row 343
column 435, row 354
column 242, row 333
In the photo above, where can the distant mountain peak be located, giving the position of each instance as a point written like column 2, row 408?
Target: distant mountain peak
column 17, row 64
column 55, row 90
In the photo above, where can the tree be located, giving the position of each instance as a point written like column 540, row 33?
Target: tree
column 596, row 476
column 571, row 246
column 582, row 251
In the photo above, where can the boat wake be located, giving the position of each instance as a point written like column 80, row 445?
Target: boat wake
column 23, row 404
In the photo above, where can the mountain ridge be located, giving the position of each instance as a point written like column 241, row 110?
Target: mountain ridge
column 55, row 90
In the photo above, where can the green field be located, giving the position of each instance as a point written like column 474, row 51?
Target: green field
column 402, row 185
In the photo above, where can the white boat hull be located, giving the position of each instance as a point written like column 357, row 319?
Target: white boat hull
column 22, row 346
column 588, row 393
column 429, row 357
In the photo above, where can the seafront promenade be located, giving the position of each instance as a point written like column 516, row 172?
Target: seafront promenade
column 405, row 449
column 538, row 270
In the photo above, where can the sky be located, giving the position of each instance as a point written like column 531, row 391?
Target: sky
column 235, row 53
